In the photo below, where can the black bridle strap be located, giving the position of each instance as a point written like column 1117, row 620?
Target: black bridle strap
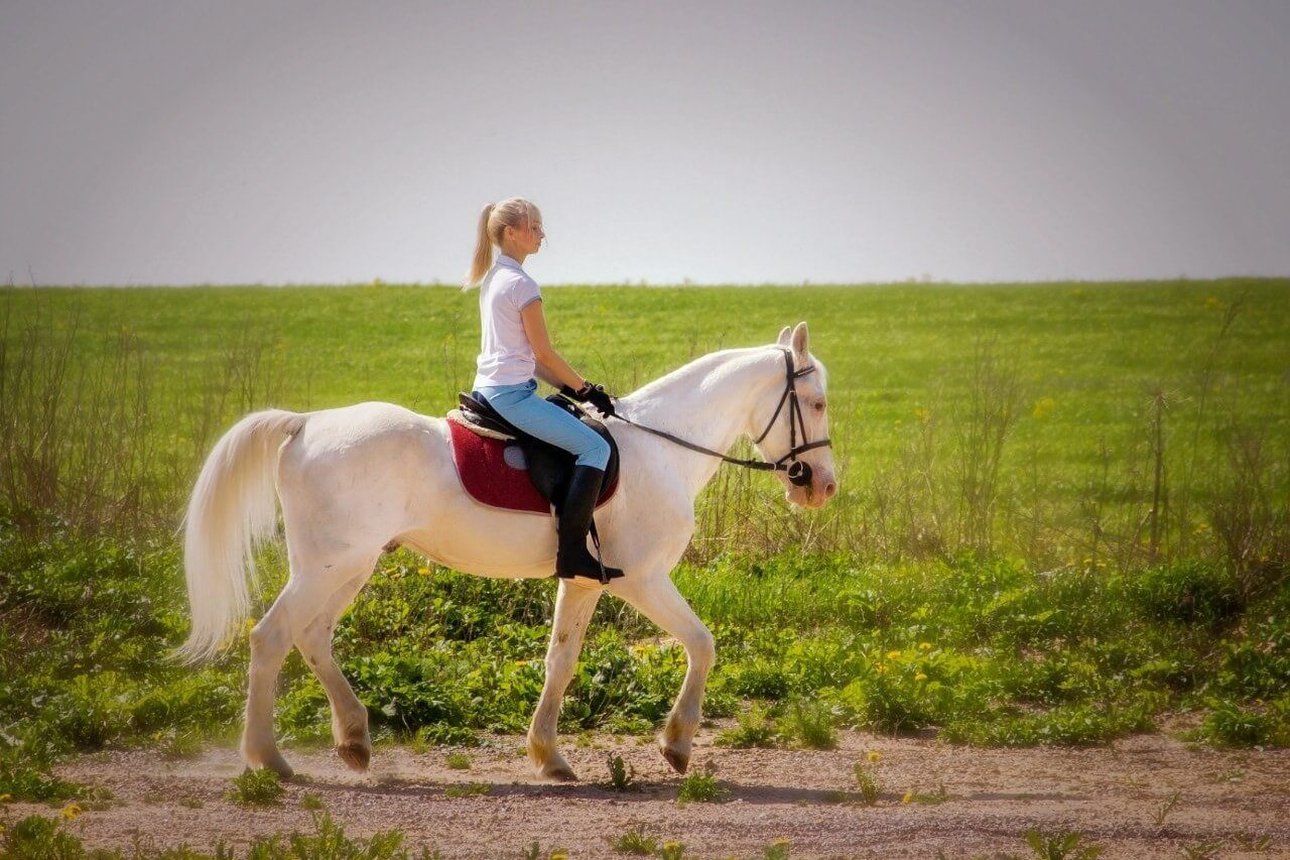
column 794, row 419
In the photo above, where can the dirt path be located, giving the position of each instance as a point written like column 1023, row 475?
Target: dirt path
column 1239, row 802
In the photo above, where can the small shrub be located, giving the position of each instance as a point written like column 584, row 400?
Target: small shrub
column 458, row 761
column 777, row 850
column 258, row 787
column 867, row 784
column 445, row 735
column 470, row 789
column 1063, row 845
column 672, row 850
column 39, row 838
column 1230, row 725
column 636, row 841
column 329, row 840
column 622, row 776
column 181, row 745
column 311, row 801
column 754, row 729
column 33, row 782
column 811, row 725
column 700, row 786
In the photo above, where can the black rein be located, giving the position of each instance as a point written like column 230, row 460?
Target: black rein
column 799, row 472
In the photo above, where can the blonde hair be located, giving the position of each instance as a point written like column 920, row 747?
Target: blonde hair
column 493, row 221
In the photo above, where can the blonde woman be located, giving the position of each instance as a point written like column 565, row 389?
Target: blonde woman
column 514, row 349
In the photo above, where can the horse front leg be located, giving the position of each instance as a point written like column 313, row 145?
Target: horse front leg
column 574, row 605
column 659, row 601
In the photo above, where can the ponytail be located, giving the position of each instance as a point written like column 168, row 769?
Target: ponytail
column 483, row 260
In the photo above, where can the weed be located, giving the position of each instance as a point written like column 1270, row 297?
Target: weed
column 311, row 801
column 867, row 784
column 534, row 852
column 754, row 728
column 1207, row 850
column 622, row 776
column 1165, row 808
column 181, row 745
column 811, row 725
column 672, row 850
column 777, row 850
column 259, row 787
column 700, row 786
column 458, row 761
column 1062, row 845
column 471, row 789
column 636, row 841
column 1253, row 841
column 36, row 837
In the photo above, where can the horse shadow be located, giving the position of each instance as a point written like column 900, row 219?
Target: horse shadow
column 638, row 791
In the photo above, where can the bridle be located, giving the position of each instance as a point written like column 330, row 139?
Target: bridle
column 799, row 471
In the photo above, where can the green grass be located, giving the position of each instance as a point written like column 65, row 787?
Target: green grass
column 1030, row 590
column 38, row 838
column 909, row 368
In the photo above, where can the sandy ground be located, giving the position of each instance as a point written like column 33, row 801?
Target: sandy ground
column 1229, row 803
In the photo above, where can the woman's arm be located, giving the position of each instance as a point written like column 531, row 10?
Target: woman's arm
column 550, row 366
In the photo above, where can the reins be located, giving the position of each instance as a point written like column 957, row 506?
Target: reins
column 799, row 472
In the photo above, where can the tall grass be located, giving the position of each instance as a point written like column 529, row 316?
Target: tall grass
column 991, row 421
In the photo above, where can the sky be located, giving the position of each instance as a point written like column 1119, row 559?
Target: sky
column 665, row 142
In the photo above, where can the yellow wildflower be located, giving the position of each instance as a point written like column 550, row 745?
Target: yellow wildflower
column 881, row 669
column 424, row 571
column 893, row 655
column 924, row 646
column 920, row 677
column 909, row 797
column 71, row 812
column 874, row 756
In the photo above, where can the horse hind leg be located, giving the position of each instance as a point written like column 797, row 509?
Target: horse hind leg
column 349, row 725
column 270, row 644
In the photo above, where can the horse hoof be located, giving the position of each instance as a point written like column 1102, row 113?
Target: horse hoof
column 355, row 754
column 679, row 761
column 557, row 771
column 278, row 765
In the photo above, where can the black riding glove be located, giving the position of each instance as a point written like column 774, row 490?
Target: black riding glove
column 593, row 394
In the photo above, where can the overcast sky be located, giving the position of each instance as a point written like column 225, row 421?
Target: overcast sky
column 720, row 142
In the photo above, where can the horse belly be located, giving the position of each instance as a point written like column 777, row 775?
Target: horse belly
column 468, row 537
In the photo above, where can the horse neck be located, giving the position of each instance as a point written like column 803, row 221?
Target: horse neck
column 707, row 402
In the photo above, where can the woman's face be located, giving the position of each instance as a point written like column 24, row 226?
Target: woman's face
column 528, row 236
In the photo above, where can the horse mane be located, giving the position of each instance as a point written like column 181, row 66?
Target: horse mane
column 709, row 367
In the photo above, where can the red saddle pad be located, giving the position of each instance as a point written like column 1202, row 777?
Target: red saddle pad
column 497, row 479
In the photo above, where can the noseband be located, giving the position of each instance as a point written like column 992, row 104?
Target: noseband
column 799, row 471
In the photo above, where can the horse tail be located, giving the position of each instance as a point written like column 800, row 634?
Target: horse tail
column 232, row 509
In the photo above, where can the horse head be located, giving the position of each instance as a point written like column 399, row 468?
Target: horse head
column 793, row 427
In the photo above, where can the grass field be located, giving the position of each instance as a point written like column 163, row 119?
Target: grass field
column 1064, row 509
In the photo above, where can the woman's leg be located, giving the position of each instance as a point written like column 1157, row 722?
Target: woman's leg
column 520, row 405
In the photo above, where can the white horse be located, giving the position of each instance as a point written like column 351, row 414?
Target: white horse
column 353, row 480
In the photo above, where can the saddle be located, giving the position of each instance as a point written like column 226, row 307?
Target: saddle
column 504, row 467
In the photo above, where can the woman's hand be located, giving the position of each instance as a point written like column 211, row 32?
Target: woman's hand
column 593, row 394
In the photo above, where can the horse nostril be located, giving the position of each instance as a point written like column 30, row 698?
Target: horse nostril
column 829, row 489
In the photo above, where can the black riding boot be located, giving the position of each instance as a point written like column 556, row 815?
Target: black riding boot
column 572, row 558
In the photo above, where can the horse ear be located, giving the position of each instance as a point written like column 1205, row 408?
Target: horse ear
column 784, row 335
column 799, row 338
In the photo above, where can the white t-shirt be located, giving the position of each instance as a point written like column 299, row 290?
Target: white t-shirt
column 505, row 355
